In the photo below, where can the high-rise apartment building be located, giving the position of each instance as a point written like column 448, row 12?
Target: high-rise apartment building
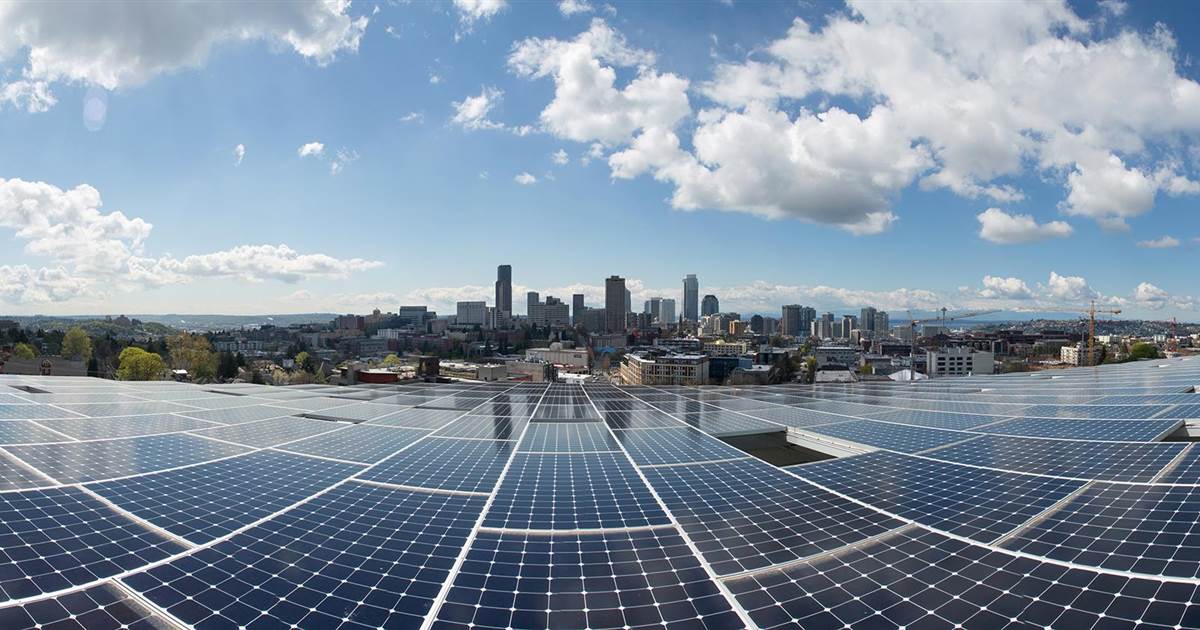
column 691, row 298
column 531, row 299
column 615, row 304
column 790, row 322
column 710, row 305
column 577, row 308
column 504, row 288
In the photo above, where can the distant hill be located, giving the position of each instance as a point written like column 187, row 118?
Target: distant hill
column 155, row 323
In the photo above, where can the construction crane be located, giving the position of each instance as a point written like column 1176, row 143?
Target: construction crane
column 941, row 319
column 1091, row 313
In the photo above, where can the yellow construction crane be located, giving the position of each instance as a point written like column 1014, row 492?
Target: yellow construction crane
column 1091, row 313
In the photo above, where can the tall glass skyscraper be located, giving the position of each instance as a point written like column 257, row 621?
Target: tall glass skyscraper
column 691, row 298
column 504, row 288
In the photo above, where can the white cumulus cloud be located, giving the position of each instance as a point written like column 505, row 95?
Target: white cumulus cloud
column 574, row 7
column 124, row 43
column 239, row 154
column 92, row 252
column 1165, row 242
column 995, row 287
column 311, row 149
column 998, row 226
column 525, row 179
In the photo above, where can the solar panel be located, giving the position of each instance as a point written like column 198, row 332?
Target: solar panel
column 977, row 503
column 745, row 514
column 567, row 437
column 371, row 555
column 641, row 579
column 448, row 505
column 446, row 464
column 1106, row 430
column 358, row 443
column 103, row 606
column 73, row 462
column 207, row 501
column 57, row 538
column 654, row 447
column 572, row 491
column 1109, row 461
column 119, row 426
column 920, row 579
column 898, row 437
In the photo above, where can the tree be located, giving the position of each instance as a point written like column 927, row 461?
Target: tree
column 24, row 351
column 192, row 353
column 391, row 360
column 1142, row 350
column 77, row 344
column 138, row 365
column 304, row 361
column 227, row 367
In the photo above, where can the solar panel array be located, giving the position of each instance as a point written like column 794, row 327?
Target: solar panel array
column 1046, row 499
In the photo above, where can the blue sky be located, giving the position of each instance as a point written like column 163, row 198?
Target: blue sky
column 1020, row 157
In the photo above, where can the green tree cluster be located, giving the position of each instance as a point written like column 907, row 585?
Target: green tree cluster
column 24, row 351
column 138, row 365
column 193, row 353
column 77, row 345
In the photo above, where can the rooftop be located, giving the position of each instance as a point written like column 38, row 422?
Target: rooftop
column 1043, row 498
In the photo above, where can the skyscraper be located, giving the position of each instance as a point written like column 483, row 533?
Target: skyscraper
column 504, row 288
column 531, row 299
column 710, row 305
column 628, row 301
column 790, row 322
column 866, row 319
column 691, row 298
column 666, row 312
column 614, row 304
column 577, row 309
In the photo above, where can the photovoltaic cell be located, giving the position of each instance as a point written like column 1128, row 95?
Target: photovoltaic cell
column 976, row 503
column 357, row 556
column 484, row 428
column 571, row 492
column 27, row 432
column 418, row 418
column 57, row 538
column 270, row 432
column 207, row 501
column 643, row 579
column 639, row 419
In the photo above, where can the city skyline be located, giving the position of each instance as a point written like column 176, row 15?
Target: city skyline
column 407, row 145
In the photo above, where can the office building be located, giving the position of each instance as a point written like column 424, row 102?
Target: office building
column 824, row 326
column 737, row 327
column 666, row 369
column 504, row 288
column 652, row 306
column 756, row 324
column 881, row 323
column 552, row 313
column 959, row 361
column 577, row 308
column 628, row 301
column 691, row 298
column 471, row 313
column 790, row 322
column 414, row 316
column 836, row 356
column 615, row 304
column 710, row 305
column 594, row 319
column 866, row 318
column 531, row 298
column 849, row 323
column 666, row 312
